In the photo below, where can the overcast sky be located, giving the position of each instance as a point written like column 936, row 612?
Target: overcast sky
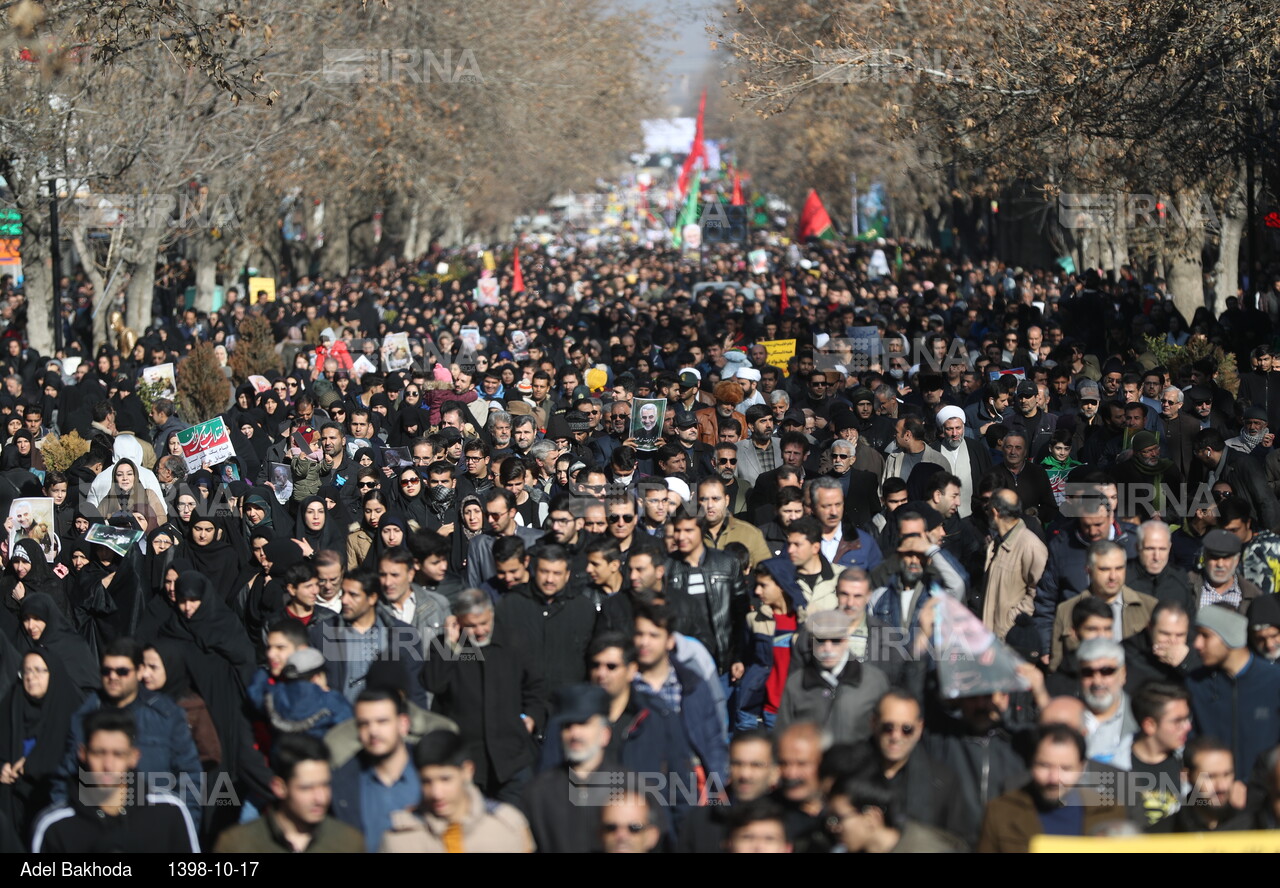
column 686, row 60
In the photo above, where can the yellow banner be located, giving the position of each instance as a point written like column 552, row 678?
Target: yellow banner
column 490, row 262
column 780, row 351
column 266, row 286
column 1187, row 843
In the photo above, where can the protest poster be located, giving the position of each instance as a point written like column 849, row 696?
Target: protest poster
column 262, row 290
column 646, row 422
column 779, row 352
column 207, row 442
column 281, row 478
column 162, row 375
column 971, row 660
column 360, row 366
column 395, row 352
column 1016, row 372
column 118, row 539
column 395, row 457
column 759, row 260
column 31, row 518
column 487, row 292
column 260, row 383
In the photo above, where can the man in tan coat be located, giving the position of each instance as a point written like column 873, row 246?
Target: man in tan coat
column 1015, row 561
column 454, row 817
column 1131, row 611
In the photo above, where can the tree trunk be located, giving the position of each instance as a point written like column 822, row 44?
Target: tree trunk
column 140, row 293
column 206, row 262
column 1184, row 272
column 1226, row 272
column 38, row 286
column 335, row 258
column 409, row 253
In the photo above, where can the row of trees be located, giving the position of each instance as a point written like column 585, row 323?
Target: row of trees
column 388, row 125
column 955, row 101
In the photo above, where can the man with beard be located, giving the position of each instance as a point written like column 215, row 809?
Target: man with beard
column 1109, row 724
column 761, row 452
column 1264, row 627
column 697, row 455
column 1147, row 480
column 1211, row 771
column 834, row 690
column 1084, row 423
column 562, row 803
column 381, row 779
column 1219, row 581
column 900, row 601
column 487, row 688
column 725, row 464
column 1052, row 803
column 875, row 429
column 793, row 449
column 967, row 458
column 1255, row 439
column 524, row 431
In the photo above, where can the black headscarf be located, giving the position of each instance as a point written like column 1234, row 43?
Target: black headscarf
column 59, row 641
column 333, row 535
column 177, row 675
column 339, row 512
column 219, row 560
column 47, row 721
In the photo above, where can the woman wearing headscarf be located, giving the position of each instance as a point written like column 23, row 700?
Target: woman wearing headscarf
column 22, row 453
column 410, row 423
column 29, row 573
column 393, row 531
column 409, row 496
column 470, row 526
column 165, row 671
column 373, row 505
column 266, row 601
column 210, row 551
column 45, row 629
column 316, row 528
column 220, row 661
column 127, row 494
column 339, row 514
column 33, row 738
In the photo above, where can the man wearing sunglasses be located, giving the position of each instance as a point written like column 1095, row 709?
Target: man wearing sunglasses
column 1108, row 718
column 164, row 741
column 922, row 787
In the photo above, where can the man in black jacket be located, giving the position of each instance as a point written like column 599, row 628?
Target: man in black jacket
column 485, row 686
column 1154, row 573
column 707, row 590
column 100, row 816
column 553, row 620
column 1216, row 462
column 924, row 790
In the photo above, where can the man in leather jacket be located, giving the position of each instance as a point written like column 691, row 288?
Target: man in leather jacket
column 709, row 593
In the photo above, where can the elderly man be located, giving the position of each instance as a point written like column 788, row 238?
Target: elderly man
column 835, row 690
column 967, row 458
column 923, row 788
column 859, row 487
column 1176, row 430
column 1152, row 571
column 1109, row 723
column 1130, row 610
column 1015, row 562
column 843, row 542
column 1221, row 583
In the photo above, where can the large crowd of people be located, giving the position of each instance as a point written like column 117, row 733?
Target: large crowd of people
column 618, row 562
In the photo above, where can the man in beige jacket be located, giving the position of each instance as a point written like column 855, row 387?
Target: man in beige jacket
column 1015, row 561
column 454, row 818
column 1130, row 610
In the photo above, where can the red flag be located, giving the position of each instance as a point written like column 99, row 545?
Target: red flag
column 785, row 303
column 698, row 151
column 737, row 200
column 814, row 221
column 517, row 275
